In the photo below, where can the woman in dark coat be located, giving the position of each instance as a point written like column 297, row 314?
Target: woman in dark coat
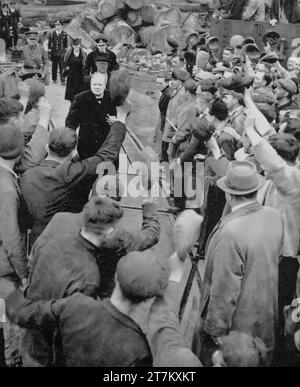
column 74, row 62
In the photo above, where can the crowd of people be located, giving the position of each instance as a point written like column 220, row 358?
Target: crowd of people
column 75, row 280
column 10, row 19
column 274, row 11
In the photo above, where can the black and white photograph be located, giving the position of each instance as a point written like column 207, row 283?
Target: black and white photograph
column 149, row 186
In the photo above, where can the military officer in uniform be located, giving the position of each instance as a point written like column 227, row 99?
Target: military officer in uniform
column 33, row 51
column 108, row 56
column 57, row 47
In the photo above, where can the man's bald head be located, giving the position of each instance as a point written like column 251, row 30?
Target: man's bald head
column 98, row 84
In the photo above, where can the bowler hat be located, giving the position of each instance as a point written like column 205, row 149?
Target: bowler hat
column 241, row 178
column 119, row 86
column 11, row 142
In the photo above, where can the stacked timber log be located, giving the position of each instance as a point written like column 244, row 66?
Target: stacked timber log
column 150, row 23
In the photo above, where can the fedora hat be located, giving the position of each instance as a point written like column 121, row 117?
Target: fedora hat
column 241, row 178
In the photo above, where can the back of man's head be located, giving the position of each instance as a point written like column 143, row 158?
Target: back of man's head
column 191, row 86
column 37, row 90
column 99, row 212
column 241, row 350
column 142, row 276
column 286, row 145
column 62, row 142
column 9, row 108
column 219, row 110
column 11, row 142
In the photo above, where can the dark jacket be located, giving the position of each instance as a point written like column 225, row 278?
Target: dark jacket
column 111, row 251
column 64, row 263
column 12, row 227
column 90, row 66
column 68, row 54
column 163, row 105
column 58, row 44
column 14, row 218
column 91, row 117
column 288, row 6
column 236, row 10
column 48, row 188
column 93, row 333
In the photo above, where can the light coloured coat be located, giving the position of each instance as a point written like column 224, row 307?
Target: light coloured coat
column 241, row 276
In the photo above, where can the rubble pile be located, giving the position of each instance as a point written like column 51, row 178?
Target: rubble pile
column 145, row 24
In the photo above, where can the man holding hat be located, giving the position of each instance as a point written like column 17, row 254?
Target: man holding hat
column 101, row 59
column 241, row 277
column 236, row 107
column 57, row 47
column 285, row 91
column 36, row 53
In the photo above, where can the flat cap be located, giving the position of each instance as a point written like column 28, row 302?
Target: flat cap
column 142, row 276
column 238, row 96
column 180, row 75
